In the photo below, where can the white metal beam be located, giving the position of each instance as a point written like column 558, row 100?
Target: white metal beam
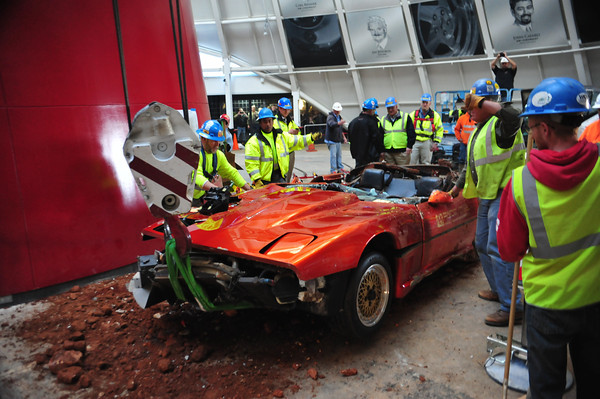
column 226, row 59
column 288, row 61
column 418, row 57
column 358, row 87
column 485, row 32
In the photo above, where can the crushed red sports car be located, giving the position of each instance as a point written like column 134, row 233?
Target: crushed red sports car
column 342, row 246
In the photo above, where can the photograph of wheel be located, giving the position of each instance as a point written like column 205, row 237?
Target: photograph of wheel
column 447, row 28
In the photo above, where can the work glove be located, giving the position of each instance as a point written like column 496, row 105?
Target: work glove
column 473, row 101
column 316, row 136
column 258, row 184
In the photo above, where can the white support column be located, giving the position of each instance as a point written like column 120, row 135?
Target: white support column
column 288, row 61
column 225, row 56
column 228, row 95
column 360, row 94
column 485, row 32
column 296, row 105
column 421, row 69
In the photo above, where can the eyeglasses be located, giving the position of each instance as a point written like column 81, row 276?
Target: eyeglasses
column 534, row 126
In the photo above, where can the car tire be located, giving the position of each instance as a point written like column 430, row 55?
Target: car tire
column 368, row 296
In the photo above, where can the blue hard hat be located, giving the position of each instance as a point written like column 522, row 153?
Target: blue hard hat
column 390, row 102
column 486, row 88
column 211, row 130
column 284, row 103
column 265, row 113
column 370, row 103
column 557, row 96
column 426, row 97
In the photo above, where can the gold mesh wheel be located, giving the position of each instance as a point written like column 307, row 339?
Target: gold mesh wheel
column 373, row 295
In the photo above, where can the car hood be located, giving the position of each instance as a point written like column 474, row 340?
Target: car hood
column 298, row 227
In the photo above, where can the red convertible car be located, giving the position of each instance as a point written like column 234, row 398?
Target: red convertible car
column 341, row 245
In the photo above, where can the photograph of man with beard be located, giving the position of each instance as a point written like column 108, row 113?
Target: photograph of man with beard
column 522, row 10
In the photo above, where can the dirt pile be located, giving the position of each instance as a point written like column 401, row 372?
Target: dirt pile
column 101, row 342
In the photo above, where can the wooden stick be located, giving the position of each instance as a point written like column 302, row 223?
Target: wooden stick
column 511, row 326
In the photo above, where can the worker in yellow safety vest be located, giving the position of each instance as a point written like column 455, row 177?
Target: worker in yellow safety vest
column 549, row 218
column 267, row 153
column 429, row 131
column 398, row 134
column 213, row 163
column 494, row 149
column 284, row 121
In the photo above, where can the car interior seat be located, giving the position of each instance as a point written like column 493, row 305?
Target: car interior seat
column 383, row 180
column 374, row 178
column 425, row 185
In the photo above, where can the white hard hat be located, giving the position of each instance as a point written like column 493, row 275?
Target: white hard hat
column 337, row 106
column 503, row 59
column 597, row 103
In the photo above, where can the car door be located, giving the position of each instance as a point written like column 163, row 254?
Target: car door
column 448, row 230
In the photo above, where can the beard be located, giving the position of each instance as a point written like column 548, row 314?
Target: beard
column 525, row 19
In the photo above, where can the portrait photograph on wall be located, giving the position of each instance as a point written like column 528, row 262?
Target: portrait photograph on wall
column 447, row 28
column 315, row 41
column 305, row 8
column 525, row 24
column 379, row 35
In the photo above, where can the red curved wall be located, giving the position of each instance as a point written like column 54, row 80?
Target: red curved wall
column 70, row 208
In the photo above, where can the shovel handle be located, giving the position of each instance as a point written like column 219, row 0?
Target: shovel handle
column 511, row 326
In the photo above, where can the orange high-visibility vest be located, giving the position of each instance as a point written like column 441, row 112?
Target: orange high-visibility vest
column 464, row 127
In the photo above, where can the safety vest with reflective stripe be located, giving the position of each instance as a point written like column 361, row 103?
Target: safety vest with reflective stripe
column 209, row 166
column 561, row 269
column 394, row 134
column 489, row 166
column 428, row 128
column 259, row 152
column 278, row 124
column 464, row 127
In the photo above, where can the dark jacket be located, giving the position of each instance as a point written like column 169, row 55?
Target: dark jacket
column 333, row 131
column 240, row 120
column 366, row 139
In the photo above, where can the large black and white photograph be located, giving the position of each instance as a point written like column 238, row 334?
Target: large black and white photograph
column 378, row 35
column 305, row 8
column 447, row 28
column 315, row 41
column 525, row 24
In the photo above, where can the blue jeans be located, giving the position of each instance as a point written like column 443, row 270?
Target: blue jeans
column 498, row 272
column 335, row 157
column 242, row 135
column 548, row 334
column 462, row 155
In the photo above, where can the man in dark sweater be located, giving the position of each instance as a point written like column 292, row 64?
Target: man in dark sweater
column 334, row 137
column 364, row 133
column 505, row 74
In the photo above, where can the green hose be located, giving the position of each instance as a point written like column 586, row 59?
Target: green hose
column 177, row 267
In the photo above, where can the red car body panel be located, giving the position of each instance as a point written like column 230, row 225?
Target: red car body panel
column 318, row 233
